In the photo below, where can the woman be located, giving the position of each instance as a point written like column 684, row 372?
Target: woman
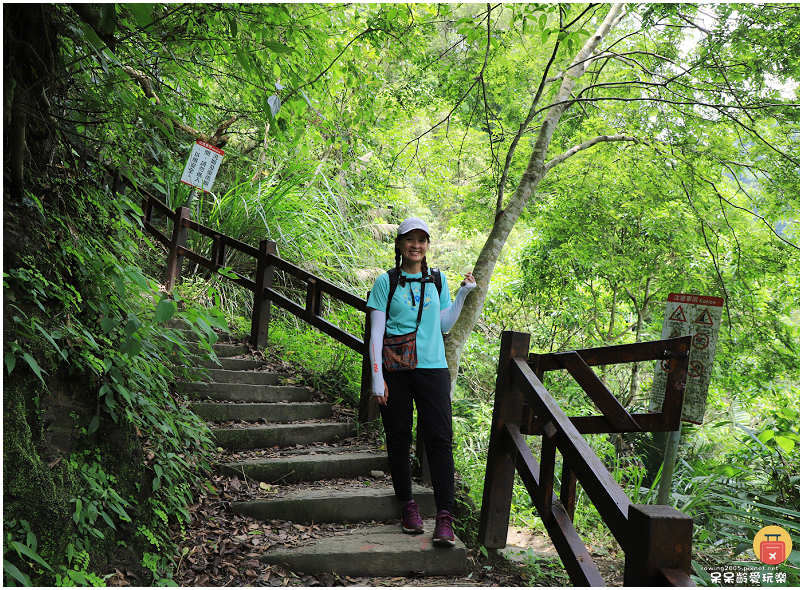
column 427, row 385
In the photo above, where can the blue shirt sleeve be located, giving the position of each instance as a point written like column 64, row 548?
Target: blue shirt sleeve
column 380, row 293
column 444, row 297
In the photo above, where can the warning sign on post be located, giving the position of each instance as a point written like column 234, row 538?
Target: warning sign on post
column 698, row 316
column 202, row 165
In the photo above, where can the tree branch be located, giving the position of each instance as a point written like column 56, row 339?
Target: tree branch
column 586, row 145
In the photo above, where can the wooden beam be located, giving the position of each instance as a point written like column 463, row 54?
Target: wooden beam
column 598, row 392
column 597, row 482
column 571, row 549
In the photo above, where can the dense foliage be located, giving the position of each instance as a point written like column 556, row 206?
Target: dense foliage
column 583, row 176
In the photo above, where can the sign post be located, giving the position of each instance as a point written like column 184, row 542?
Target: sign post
column 202, row 166
column 687, row 315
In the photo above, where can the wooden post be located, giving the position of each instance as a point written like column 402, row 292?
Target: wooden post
column 422, row 456
column 174, row 258
column 547, row 469
column 217, row 252
column 265, row 271
column 568, row 484
column 499, row 482
column 368, row 410
column 660, row 537
column 313, row 298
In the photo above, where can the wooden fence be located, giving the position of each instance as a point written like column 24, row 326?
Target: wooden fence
column 657, row 540
column 261, row 285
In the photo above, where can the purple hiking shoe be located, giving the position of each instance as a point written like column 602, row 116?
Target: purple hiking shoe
column 412, row 523
column 443, row 533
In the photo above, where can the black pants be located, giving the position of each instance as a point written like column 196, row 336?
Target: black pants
column 430, row 390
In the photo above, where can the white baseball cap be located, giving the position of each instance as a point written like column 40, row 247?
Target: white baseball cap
column 412, row 223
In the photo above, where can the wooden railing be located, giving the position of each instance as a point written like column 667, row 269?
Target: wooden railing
column 261, row 285
column 657, row 540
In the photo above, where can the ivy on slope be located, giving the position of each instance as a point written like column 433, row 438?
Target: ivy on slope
column 99, row 452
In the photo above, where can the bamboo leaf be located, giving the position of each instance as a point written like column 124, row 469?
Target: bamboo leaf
column 277, row 47
column 23, row 550
column 141, row 12
column 10, row 568
column 34, row 366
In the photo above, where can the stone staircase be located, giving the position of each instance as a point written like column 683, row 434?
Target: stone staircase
column 286, row 439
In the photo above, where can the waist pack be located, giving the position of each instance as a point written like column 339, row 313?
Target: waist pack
column 400, row 352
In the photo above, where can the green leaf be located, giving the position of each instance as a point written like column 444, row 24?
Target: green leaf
column 165, row 309
column 108, row 324
column 10, row 568
column 23, row 550
column 33, row 365
column 277, row 47
column 11, row 361
column 78, row 577
column 132, row 346
column 119, row 285
column 132, row 326
column 108, row 520
column 227, row 271
column 244, row 60
column 92, row 37
column 141, row 12
column 78, row 508
column 50, row 339
column 785, row 443
column 766, row 435
column 93, row 425
column 137, row 277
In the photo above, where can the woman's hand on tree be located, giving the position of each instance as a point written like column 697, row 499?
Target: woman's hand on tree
column 469, row 281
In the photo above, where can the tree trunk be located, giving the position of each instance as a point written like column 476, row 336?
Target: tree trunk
column 534, row 172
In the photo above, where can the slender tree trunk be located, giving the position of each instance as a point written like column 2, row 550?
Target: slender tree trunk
column 534, row 173
column 17, row 144
column 641, row 314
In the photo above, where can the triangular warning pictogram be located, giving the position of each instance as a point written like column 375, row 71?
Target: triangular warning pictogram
column 704, row 318
column 678, row 315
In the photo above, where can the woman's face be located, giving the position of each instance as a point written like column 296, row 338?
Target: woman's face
column 414, row 245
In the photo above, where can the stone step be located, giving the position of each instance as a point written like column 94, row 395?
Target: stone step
column 191, row 336
column 373, row 551
column 277, row 412
column 332, row 505
column 241, row 376
column 305, row 467
column 232, row 364
column 226, row 350
column 238, row 392
column 284, row 435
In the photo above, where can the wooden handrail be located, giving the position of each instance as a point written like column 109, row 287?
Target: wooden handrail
column 262, row 286
column 656, row 539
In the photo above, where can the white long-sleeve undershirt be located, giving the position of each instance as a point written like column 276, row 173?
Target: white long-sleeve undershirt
column 377, row 320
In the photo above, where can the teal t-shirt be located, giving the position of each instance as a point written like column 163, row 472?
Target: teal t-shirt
column 403, row 315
